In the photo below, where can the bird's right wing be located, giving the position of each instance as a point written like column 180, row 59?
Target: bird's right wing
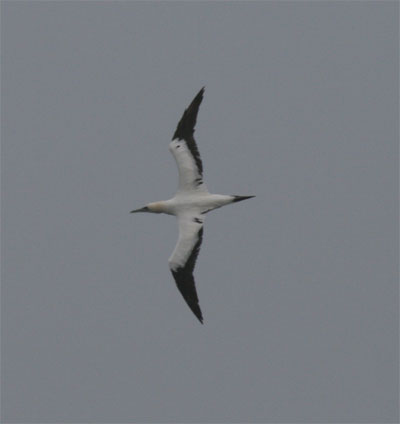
column 183, row 258
column 184, row 149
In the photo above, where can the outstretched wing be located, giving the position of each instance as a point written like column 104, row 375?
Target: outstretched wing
column 184, row 149
column 183, row 258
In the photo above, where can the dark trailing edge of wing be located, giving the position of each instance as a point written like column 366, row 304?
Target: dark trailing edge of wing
column 185, row 282
column 185, row 129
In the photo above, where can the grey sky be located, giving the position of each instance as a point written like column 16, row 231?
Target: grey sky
column 298, row 286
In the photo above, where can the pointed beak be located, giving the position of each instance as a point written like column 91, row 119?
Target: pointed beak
column 145, row 209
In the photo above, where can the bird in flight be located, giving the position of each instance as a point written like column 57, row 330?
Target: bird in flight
column 190, row 204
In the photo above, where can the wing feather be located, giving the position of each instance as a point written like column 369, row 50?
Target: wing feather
column 184, row 149
column 183, row 259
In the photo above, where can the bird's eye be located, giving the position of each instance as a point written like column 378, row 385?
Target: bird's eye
column 178, row 145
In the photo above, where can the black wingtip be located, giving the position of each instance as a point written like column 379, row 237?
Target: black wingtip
column 192, row 300
column 199, row 317
column 188, row 291
column 195, row 308
column 187, row 288
column 200, row 93
column 185, row 128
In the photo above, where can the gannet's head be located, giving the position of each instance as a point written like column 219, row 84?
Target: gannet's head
column 154, row 207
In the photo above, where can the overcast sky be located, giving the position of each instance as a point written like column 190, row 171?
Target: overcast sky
column 298, row 286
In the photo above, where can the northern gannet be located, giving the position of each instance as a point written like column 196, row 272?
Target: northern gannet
column 190, row 204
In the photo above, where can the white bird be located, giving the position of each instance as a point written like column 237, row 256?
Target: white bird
column 190, row 204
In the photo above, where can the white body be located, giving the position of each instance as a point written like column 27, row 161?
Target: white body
column 190, row 202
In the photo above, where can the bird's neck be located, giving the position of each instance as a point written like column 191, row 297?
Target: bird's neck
column 158, row 207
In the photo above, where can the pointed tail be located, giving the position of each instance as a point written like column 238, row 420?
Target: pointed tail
column 240, row 198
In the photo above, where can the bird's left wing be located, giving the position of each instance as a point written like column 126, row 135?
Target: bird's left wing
column 183, row 258
column 184, row 149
